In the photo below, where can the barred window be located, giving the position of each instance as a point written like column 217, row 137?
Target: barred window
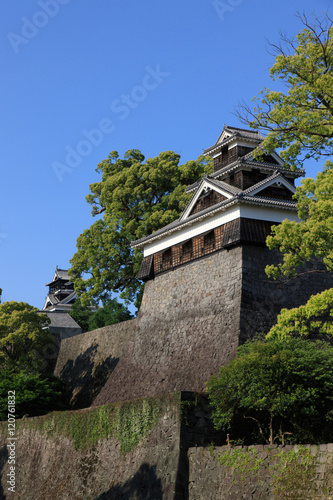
column 209, row 241
column 167, row 258
column 187, row 249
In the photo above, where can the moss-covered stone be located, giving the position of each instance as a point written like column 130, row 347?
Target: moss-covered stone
column 128, row 422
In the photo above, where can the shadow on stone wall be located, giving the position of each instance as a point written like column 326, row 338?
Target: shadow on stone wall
column 85, row 378
column 3, row 461
column 144, row 485
column 196, row 430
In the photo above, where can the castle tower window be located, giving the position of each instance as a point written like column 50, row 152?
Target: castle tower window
column 167, row 259
column 209, row 241
column 187, row 250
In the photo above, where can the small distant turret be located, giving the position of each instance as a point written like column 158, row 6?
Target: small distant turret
column 61, row 294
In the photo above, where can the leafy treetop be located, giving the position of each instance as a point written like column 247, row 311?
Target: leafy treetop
column 23, row 331
column 283, row 387
column 312, row 237
column 312, row 319
column 299, row 120
column 111, row 312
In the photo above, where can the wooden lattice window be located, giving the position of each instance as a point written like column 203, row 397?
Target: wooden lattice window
column 209, row 241
column 187, row 250
column 167, row 259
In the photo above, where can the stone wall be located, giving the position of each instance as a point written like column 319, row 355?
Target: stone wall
column 48, row 467
column 86, row 361
column 172, row 459
column 193, row 318
column 210, row 480
column 187, row 327
column 191, row 322
column 85, row 454
column 262, row 298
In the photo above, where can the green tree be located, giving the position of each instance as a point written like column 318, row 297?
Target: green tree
column 23, row 332
column 310, row 240
column 81, row 314
column 112, row 312
column 136, row 197
column 312, row 237
column 315, row 318
column 284, row 388
column 300, row 119
column 35, row 394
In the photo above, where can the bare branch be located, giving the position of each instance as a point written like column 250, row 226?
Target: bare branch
column 98, row 211
column 260, row 428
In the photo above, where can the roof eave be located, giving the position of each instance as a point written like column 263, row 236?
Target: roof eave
column 219, row 145
column 272, row 203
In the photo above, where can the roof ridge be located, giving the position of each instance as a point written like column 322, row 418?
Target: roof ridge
column 224, row 185
column 242, row 129
column 277, row 173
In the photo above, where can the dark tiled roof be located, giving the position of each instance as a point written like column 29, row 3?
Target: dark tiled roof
column 178, row 223
column 52, row 298
column 253, row 135
column 243, row 132
column 241, row 162
column 62, row 273
column 193, row 186
column 262, row 200
column 61, row 319
column 224, row 185
column 250, row 156
column 69, row 297
column 276, row 175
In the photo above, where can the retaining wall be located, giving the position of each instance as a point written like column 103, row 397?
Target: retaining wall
column 209, row 480
column 48, row 467
column 86, row 361
column 102, row 457
column 191, row 322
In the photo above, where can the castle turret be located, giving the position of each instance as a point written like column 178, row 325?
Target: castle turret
column 206, row 290
column 237, row 203
column 61, row 293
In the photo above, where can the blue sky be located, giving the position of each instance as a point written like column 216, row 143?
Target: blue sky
column 81, row 79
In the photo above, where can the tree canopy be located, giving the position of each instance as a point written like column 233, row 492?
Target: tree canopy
column 283, row 387
column 307, row 241
column 112, row 312
column 312, row 237
column 23, row 332
column 315, row 318
column 35, row 393
column 300, row 119
column 134, row 198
